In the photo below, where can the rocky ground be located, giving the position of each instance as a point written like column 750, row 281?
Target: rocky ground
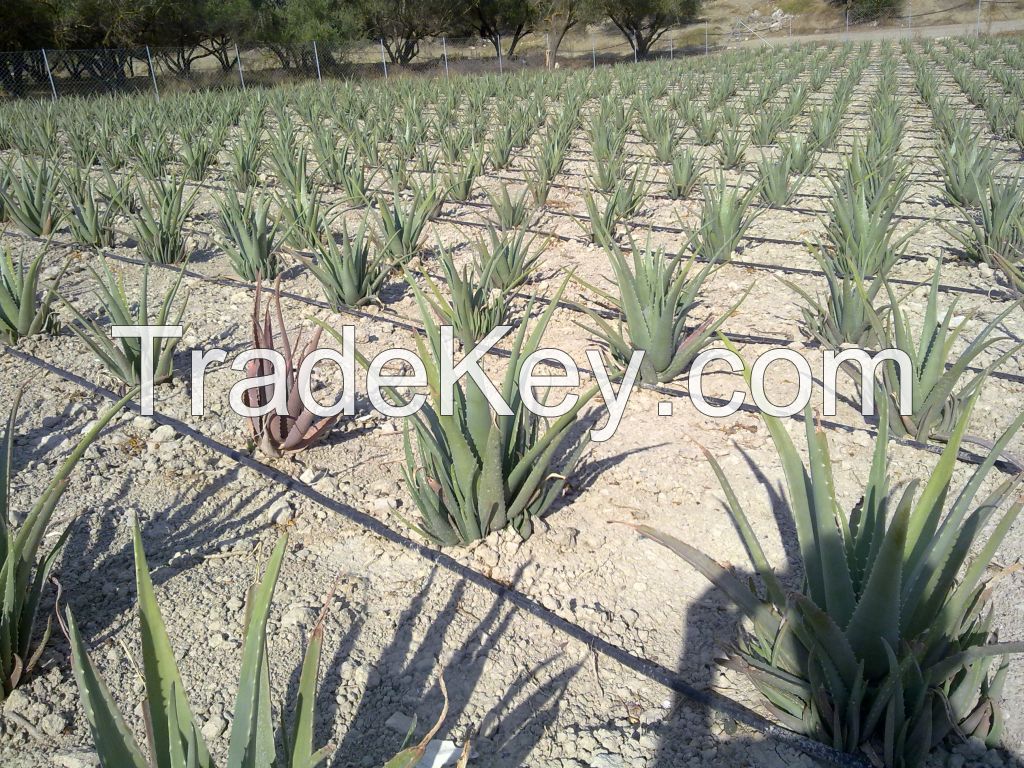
column 555, row 651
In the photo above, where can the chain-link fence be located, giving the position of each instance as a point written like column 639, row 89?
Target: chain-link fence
column 219, row 63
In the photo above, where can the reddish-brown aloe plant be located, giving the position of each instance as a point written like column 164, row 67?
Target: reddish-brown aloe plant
column 279, row 434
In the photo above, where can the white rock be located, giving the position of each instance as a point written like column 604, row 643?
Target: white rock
column 76, row 758
column 214, row 727
column 163, row 434
column 143, row 423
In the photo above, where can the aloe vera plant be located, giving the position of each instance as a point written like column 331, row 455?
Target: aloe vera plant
column 732, row 148
column 24, row 309
column 198, row 154
column 657, row 296
column 860, row 227
column 475, row 471
column 249, row 236
column 725, row 216
column 24, row 569
column 939, row 397
column 800, row 152
column 475, row 307
column 246, row 156
column 160, row 222
column 122, row 357
column 278, row 434
column 31, row 199
column 351, row 272
column 91, row 220
column 968, row 167
column 505, row 258
column 776, row 184
column 403, row 224
column 684, row 174
column 510, row 213
column 175, row 737
column 995, row 232
column 888, row 644
column 847, row 314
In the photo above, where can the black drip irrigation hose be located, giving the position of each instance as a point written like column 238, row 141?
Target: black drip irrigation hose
column 410, row 325
column 652, row 670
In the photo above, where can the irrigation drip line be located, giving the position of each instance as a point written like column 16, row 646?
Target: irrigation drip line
column 399, row 321
column 994, row 294
column 652, row 670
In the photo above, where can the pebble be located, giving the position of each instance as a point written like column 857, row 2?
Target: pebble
column 76, row 758
column 214, row 727
column 280, row 512
column 487, row 556
column 53, row 724
column 298, row 615
column 143, row 424
column 162, row 434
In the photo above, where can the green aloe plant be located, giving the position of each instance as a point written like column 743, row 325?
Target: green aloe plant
column 174, row 735
column 92, row 213
column 510, row 213
column 122, row 357
column 684, row 174
column 23, row 568
column 403, row 224
column 249, row 236
column 995, row 232
column 847, row 314
column 475, row 471
column 351, row 272
column 505, row 258
column 888, row 644
column 725, row 216
column 967, row 167
column 475, row 307
column 939, row 397
column 776, row 183
column 31, row 199
column 24, row 310
column 160, row 222
column 657, row 295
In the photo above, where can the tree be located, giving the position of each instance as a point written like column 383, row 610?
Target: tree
column 497, row 19
column 643, row 22
column 289, row 28
column 400, row 25
column 557, row 17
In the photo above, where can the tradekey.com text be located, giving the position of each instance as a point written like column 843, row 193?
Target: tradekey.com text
column 615, row 386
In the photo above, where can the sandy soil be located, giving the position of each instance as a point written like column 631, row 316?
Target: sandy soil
column 555, row 650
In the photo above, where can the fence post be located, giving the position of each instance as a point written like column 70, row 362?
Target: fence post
column 847, row 22
column 152, row 73
column 383, row 58
column 978, row 29
column 316, row 59
column 444, row 52
column 705, row 36
column 500, row 66
column 593, row 51
column 910, row 18
column 670, row 50
column 49, row 74
column 238, row 61
column 634, row 49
